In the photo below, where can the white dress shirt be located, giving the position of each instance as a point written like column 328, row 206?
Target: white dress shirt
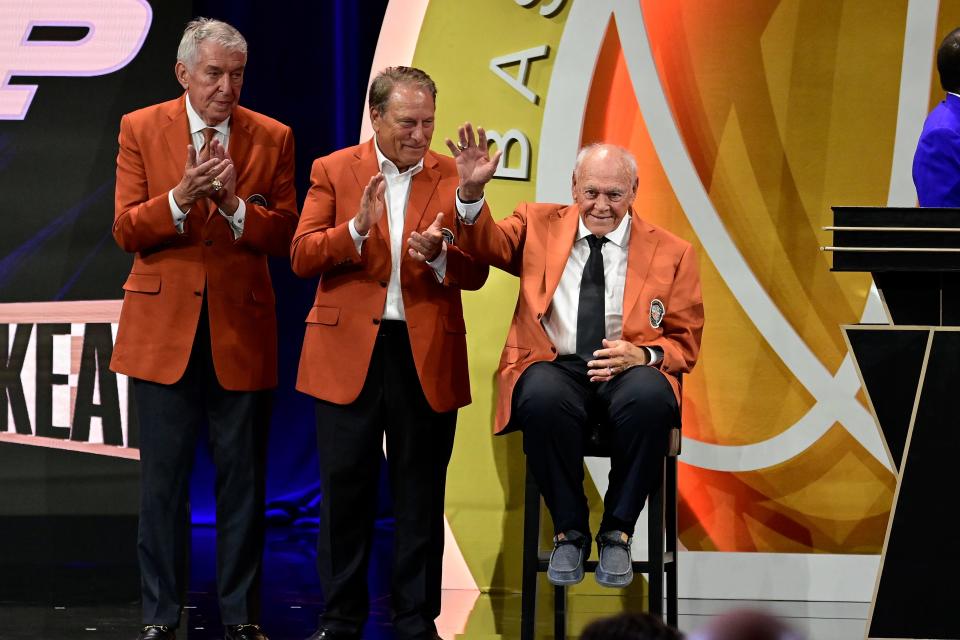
column 396, row 195
column 560, row 320
column 197, row 125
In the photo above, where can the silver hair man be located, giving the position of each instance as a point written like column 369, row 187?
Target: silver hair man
column 203, row 29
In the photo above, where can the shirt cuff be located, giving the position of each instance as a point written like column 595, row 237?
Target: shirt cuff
column 439, row 264
column 178, row 214
column 357, row 238
column 469, row 211
column 237, row 219
column 656, row 355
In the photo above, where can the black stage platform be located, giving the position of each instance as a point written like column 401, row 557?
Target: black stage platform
column 292, row 602
column 291, row 599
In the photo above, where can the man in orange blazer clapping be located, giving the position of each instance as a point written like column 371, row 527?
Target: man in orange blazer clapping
column 385, row 348
column 205, row 192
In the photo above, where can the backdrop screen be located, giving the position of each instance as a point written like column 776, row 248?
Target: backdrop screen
column 72, row 69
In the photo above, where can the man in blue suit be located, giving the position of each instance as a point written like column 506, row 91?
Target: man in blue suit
column 936, row 164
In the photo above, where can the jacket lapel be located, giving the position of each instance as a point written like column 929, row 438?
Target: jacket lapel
column 561, row 234
column 422, row 187
column 176, row 132
column 643, row 244
column 239, row 145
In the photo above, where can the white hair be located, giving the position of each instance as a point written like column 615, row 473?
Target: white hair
column 626, row 158
column 203, row 29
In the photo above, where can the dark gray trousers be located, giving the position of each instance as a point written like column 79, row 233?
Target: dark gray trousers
column 419, row 444
column 170, row 417
column 556, row 406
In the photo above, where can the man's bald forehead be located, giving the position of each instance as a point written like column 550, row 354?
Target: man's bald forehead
column 611, row 152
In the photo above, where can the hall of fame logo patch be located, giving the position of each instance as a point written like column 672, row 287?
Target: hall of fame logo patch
column 656, row 313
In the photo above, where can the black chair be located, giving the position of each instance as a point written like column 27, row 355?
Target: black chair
column 661, row 561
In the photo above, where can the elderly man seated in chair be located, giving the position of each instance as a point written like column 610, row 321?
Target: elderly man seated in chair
column 608, row 317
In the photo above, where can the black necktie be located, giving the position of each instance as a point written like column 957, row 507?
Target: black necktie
column 591, row 316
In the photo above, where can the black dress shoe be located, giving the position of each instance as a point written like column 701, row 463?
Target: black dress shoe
column 243, row 632
column 156, row 632
column 326, row 634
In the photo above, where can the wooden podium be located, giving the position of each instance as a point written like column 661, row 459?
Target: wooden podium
column 910, row 370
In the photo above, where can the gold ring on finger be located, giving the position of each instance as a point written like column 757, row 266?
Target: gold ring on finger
column 216, row 185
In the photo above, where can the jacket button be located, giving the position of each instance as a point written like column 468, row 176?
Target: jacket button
column 198, row 293
column 383, row 284
column 539, row 315
column 208, row 242
column 376, row 321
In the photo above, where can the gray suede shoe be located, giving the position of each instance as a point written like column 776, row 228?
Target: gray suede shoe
column 615, row 568
column 566, row 561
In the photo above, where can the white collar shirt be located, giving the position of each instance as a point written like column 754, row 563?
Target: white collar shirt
column 397, row 194
column 560, row 321
column 197, row 125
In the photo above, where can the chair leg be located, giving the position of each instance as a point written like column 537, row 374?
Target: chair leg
column 655, row 539
column 531, row 558
column 559, row 613
column 671, row 498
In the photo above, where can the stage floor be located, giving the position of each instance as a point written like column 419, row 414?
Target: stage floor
column 292, row 602
column 489, row 617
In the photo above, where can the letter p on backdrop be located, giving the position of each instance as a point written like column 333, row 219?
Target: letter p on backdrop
column 115, row 32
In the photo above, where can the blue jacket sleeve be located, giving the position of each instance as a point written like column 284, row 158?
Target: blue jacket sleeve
column 936, row 168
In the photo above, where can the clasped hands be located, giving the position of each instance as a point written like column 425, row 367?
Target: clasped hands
column 209, row 174
column 475, row 167
column 616, row 357
column 424, row 246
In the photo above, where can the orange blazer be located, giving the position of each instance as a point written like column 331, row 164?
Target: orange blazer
column 342, row 325
column 171, row 271
column 535, row 243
